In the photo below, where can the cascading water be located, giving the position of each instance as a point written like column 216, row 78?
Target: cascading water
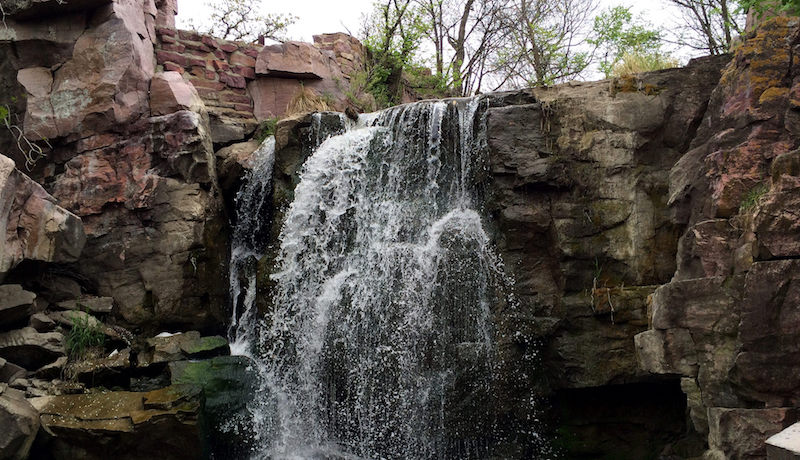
column 378, row 342
column 247, row 246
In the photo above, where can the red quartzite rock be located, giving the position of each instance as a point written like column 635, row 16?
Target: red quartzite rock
column 33, row 225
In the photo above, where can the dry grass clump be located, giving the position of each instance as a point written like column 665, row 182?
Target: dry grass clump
column 633, row 63
column 307, row 100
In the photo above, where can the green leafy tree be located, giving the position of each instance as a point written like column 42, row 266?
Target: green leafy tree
column 464, row 35
column 617, row 35
column 761, row 6
column 392, row 35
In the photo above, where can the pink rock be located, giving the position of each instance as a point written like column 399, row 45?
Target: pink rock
column 170, row 93
column 106, row 81
column 293, row 60
column 271, row 96
column 232, row 80
column 32, row 225
column 242, row 59
column 167, row 9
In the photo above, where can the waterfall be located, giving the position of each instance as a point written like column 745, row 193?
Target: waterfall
column 378, row 340
column 248, row 245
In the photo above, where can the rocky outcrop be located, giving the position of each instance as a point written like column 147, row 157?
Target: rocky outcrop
column 579, row 182
column 133, row 158
column 243, row 84
column 727, row 321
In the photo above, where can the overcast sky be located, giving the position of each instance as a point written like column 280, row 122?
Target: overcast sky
column 323, row 16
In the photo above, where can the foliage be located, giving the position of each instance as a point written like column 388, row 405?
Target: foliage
column 616, row 35
column 632, row 63
column 708, row 25
column 86, row 333
column 761, row 6
column 266, row 129
column 307, row 100
column 240, row 20
column 751, row 198
column 393, row 33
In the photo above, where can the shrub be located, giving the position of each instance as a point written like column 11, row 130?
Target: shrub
column 86, row 333
column 633, row 63
column 307, row 100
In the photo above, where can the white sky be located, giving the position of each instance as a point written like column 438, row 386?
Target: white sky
column 323, row 16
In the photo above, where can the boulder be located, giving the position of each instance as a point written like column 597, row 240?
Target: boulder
column 20, row 422
column 233, row 161
column 10, row 372
column 33, row 225
column 31, row 349
column 15, row 304
column 42, row 323
column 124, row 425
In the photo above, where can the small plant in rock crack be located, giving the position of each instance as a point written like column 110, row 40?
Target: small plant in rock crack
column 86, row 333
column 751, row 198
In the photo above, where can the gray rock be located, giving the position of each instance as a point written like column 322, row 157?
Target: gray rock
column 181, row 346
column 15, row 304
column 10, row 371
column 20, row 422
column 29, row 9
column 31, row 349
column 42, row 323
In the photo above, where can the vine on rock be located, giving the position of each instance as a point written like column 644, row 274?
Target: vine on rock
column 31, row 150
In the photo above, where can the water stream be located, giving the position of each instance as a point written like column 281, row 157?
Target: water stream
column 378, row 340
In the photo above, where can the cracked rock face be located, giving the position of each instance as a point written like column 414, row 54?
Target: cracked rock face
column 33, row 225
column 133, row 159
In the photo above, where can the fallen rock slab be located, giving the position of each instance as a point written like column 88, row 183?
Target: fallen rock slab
column 92, row 304
column 122, row 425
